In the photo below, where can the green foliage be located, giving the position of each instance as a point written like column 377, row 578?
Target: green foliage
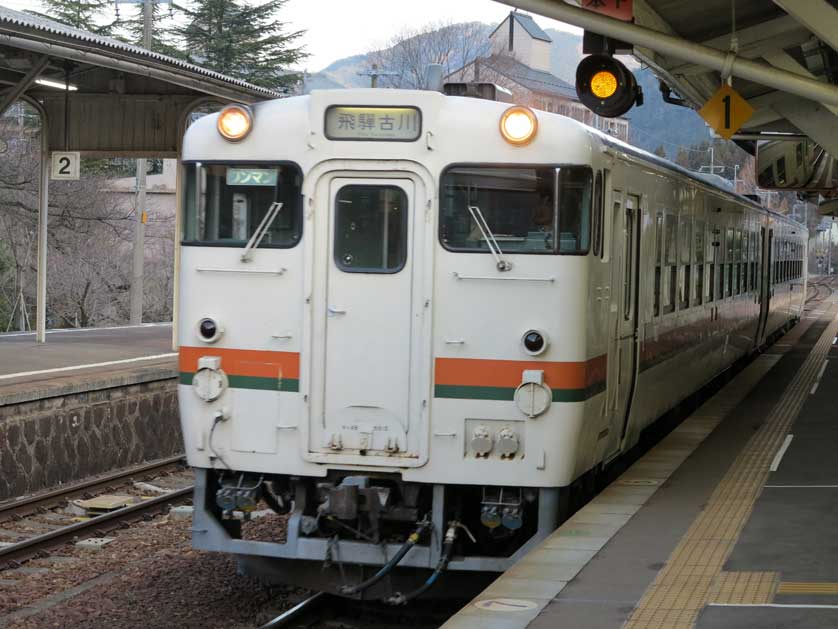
column 240, row 40
column 83, row 14
column 162, row 36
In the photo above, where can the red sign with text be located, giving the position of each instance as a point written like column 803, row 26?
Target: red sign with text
column 620, row 9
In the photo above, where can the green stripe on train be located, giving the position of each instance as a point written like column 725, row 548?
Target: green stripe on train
column 504, row 394
column 288, row 385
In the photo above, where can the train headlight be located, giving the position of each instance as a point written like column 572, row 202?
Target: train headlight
column 209, row 330
column 235, row 122
column 518, row 125
column 534, row 342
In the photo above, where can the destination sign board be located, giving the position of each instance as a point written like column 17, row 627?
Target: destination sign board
column 383, row 124
column 252, row 176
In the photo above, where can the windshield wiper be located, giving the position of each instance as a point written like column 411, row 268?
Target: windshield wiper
column 260, row 232
column 489, row 237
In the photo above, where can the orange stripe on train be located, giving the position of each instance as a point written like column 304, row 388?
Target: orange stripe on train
column 244, row 362
column 479, row 372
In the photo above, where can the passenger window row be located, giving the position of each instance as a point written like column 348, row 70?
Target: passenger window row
column 788, row 261
column 698, row 263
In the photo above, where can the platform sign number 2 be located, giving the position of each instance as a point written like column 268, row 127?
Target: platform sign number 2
column 65, row 165
column 726, row 111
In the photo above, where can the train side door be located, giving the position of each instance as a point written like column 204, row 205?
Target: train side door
column 765, row 282
column 622, row 351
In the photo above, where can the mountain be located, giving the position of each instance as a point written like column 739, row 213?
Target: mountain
column 654, row 124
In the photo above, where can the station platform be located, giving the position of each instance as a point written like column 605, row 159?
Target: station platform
column 728, row 522
column 71, row 359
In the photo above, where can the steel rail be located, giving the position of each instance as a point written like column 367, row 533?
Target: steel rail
column 309, row 605
column 29, row 547
column 31, row 504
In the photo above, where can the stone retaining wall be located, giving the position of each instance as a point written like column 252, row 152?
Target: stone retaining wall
column 62, row 439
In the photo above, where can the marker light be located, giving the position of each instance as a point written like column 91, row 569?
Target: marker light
column 235, row 122
column 606, row 87
column 603, row 84
column 518, row 125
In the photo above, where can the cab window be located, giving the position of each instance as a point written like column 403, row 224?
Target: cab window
column 226, row 203
column 526, row 209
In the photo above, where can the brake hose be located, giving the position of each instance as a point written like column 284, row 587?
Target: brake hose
column 412, row 540
column 450, row 537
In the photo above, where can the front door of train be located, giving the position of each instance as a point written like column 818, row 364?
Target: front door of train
column 622, row 350
column 365, row 334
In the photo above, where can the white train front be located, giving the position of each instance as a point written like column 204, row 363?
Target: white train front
column 402, row 312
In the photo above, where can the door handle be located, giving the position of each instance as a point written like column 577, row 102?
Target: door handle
column 334, row 311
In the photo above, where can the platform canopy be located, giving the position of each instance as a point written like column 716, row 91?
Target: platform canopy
column 103, row 98
column 783, row 59
column 124, row 101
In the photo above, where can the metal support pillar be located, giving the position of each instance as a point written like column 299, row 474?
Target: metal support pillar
column 137, row 273
column 43, row 218
column 680, row 48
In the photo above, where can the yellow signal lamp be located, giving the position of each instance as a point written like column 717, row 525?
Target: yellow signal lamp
column 518, row 125
column 606, row 86
column 235, row 122
column 603, row 84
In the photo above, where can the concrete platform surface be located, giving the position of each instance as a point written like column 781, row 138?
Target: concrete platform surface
column 72, row 360
column 728, row 522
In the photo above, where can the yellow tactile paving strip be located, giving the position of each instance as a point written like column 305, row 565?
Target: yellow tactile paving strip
column 689, row 578
column 745, row 588
column 792, row 587
column 544, row 572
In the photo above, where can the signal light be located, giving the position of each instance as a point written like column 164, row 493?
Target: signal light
column 606, row 86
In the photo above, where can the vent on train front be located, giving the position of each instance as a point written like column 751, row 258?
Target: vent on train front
column 486, row 91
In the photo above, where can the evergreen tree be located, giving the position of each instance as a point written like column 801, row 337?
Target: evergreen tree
column 81, row 14
column 660, row 151
column 162, row 36
column 240, row 40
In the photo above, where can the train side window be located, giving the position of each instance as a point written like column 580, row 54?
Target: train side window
column 670, row 258
column 685, row 270
column 730, row 261
column 698, row 256
column 597, row 218
column 737, row 256
column 370, row 229
column 658, row 261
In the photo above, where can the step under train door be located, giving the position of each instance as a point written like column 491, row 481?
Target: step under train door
column 622, row 348
column 367, row 363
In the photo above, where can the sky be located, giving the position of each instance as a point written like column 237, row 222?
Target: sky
column 340, row 28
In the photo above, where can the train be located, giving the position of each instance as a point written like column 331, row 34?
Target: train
column 412, row 325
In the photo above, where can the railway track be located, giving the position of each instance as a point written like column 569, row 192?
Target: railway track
column 823, row 289
column 14, row 554
column 327, row 611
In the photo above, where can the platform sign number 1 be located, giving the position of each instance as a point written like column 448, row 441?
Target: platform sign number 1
column 65, row 165
column 726, row 111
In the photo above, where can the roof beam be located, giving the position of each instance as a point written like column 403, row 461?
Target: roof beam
column 680, row 48
column 15, row 92
column 754, row 42
column 813, row 119
column 783, row 60
column 818, row 16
